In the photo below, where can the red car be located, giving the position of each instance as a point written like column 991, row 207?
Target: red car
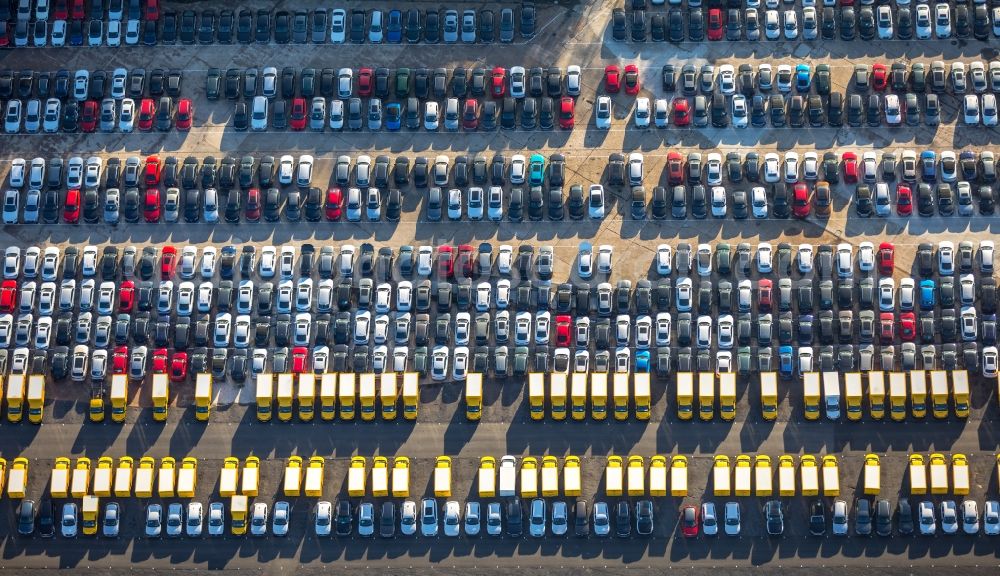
column 167, row 262
column 297, row 117
column 470, row 114
column 253, row 205
column 675, row 168
column 71, row 214
column 300, row 358
column 88, row 116
column 147, row 113
column 153, row 170
column 8, row 296
column 880, row 76
column 126, row 296
column 800, row 201
column 119, row 362
column 60, row 10
column 715, row 24
column 498, row 82
column 612, row 79
column 886, row 327
column 466, row 255
column 907, row 326
column 689, row 521
column 78, row 11
column 160, row 361
column 334, row 203
column 152, row 9
column 764, row 295
column 567, row 113
column 185, row 114
column 904, row 200
column 446, row 262
column 682, row 111
column 885, row 259
column 850, row 168
column 632, row 83
column 151, row 210
column 179, row 367
column 563, row 330
column 365, row 82
column 4, row 35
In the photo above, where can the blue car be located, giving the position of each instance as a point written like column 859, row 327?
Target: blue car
column 802, row 80
column 786, row 361
column 394, row 28
column 642, row 361
column 928, row 165
column 536, row 170
column 393, row 116
column 928, row 295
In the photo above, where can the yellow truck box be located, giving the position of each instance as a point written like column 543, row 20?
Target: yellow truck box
column 239, row 507
column 400, row 477
column 769, row 395
column 16, row 386
column 487, row 477
column 599, row 395
column 763, row 476
column 811, row 394
column 292, row 482
column 572, row 481
column 389, row 394
column 960, row 392
column 918, row 393
column 473, row 396
column 918, row 474
column 960, row 474
column 786, row 475
column 619, row 391
column 641, row 386
column 119, row 397
column 658, row 475
column 103, row 476
column 507, row 476
column 346, row 383
column 442, row 477
column 613, row 476
column 679, row 476
column 742, row 475
column 706, row 395
column 160, row 396
column 939, row 474
column 636, row 475
column 166, row 478
column 306, row 396
column 264, row 395
column 727, row 395
column 286, row 395
column 876, row 394
column 328, row 396
column 144, row 476
column 36, row 398
column 831, row 476
column 17, row 478
column 187, row 477
column 250, row 483
column 123, row 477
column 202, row 396
column 550, row 476
column 380, row 477
column 411, row 395
column 897, row 396
column 229, row 477
column 558, row 384
column 80, row 482
column 939, row 393
column 853, row 395
column 357, row 476
column 721, row 476
column 831, row 395
column 366, row 395
column 59, row 482
column 578, row 395
column 809, row 475
column 89, row 509
column 685, row 395
column 529, row 477
column 872, row 475
column 536, row 395
column 315, row 473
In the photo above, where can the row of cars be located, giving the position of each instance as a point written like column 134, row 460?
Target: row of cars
column 923, row 21
column 105, row 116
column 81, row 85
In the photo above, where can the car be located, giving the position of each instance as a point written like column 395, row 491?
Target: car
column 154, row 520
column 926, row 518
column 689, row 521
column 428, row 517
column 68, row 520
column 774, row 518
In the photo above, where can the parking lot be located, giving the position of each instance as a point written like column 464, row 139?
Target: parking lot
column 580, row 34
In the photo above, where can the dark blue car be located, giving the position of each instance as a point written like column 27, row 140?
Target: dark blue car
column 394, row 28
column 393, row 116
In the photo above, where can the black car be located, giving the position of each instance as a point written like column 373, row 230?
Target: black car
column 387, row 520
column 581, row 519
column 46, row 519
column 619, row 27
column 263, row 30
column 904, row 517
column 244, row 27
column 515, row 518
column 623, row 520
column 344, row 518
column 817, row 519
column 26, row 518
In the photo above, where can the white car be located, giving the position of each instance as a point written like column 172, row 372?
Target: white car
column 740, row 115
column 771, row 172
column 942, row 20
column 573, row 80
column 970, row 517
column 758, row 201
column 923, row 22
column 844, row 260
column 664, row 259
column 971, row 110
column 195, row 520
column 602, row 113
column 338, row 26
column 516, row 81
column 926, row 518
column 884, row 21
column 791, row 25
column 323, row 518
column 595, row 202
column 772, row 25
column 805, row 258
column 258, row 519
column 642, row 112
column 866, row 256
column 452, row 518
column 518, row 165
column 765, row 258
